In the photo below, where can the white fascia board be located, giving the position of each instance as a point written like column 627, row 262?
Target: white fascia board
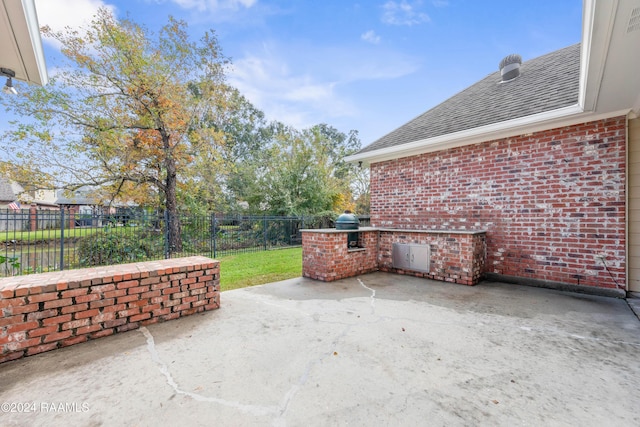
column 36, row 43
column 566, row 116
column 598, row 19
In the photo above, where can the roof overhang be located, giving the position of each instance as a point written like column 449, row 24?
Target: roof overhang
column 21, row 47
column 609, row 84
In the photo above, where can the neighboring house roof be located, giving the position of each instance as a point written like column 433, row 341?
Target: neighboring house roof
column 595, row 79
column 78, row 199
column 545, row 83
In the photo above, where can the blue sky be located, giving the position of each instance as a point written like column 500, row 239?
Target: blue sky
column 366, row 65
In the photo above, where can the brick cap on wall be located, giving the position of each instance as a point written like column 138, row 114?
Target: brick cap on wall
column 33, row 284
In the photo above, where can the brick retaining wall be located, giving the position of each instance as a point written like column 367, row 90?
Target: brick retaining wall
column 42, row 312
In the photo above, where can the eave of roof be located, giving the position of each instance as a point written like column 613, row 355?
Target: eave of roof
column 21, row 48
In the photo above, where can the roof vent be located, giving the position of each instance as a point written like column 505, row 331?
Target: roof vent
column 510, row 67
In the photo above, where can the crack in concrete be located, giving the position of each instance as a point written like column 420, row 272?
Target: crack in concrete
column 373, row 295
column 251, row 409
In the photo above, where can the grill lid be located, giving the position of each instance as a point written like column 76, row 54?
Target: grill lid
column 347, row 221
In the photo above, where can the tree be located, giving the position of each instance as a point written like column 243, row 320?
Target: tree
column 220, row 181
column 302, row 172
column 124, row 113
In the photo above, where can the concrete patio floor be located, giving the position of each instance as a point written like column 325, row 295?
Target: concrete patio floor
column 380, row 349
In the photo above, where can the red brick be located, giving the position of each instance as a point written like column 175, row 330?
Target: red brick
column 103, row 317
column 56, row 320
column 74, row 292
column 58, row 303
column 127, row 284
column 11, row 320
column 139, row 303
column 74, row 308
column 43, row 331
column 128, row 298
column 151, row 307
column 103, row 288
column 129, row 312
column 160, row 286
column 151, row 294
column 88, row 313
column 150, row 281
column 88, row 329
column 115, row 294
column 21, row 309
column 140, row 317
column 114, row 308
column 73, row 340
column 22, row 344
column 102, row 333
column 102, row 303
column 43, row 297
column 114, row 323
column 138, row 290
column 87, row 298
column 41, row 348
column 75, row 324
column 57, row 336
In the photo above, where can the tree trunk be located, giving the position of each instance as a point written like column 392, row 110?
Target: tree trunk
column 171, row 205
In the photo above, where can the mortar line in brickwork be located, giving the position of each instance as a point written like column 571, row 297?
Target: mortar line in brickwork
column 251, row 409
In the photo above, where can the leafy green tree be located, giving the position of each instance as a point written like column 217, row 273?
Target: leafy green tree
column 221, row 179
column 124, row 112
column 302, row 172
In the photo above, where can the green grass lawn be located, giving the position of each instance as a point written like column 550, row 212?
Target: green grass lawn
column 40, row 235
column 257, row 268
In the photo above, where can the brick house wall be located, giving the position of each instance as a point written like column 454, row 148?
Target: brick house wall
column 552, row 202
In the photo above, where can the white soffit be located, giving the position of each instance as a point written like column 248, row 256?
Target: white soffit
column 619, row 34
column 20, row 42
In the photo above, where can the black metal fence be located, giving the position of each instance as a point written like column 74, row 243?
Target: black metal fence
column 33, row 241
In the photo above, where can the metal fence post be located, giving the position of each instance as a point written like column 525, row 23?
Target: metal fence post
column 264, row 225
column 62, row 238
column 214, row 232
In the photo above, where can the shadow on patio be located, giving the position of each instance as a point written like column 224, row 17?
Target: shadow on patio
column 379, row 349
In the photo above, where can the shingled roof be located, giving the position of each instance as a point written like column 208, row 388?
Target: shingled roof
column 545, row 83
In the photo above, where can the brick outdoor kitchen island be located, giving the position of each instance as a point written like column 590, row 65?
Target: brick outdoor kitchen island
column 456, row 256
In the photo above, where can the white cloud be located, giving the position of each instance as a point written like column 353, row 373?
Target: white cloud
column 371, row 37
column 296, row 99
column 403, row 13
column 68, row 13
column 74, row 14
column 302, row 87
